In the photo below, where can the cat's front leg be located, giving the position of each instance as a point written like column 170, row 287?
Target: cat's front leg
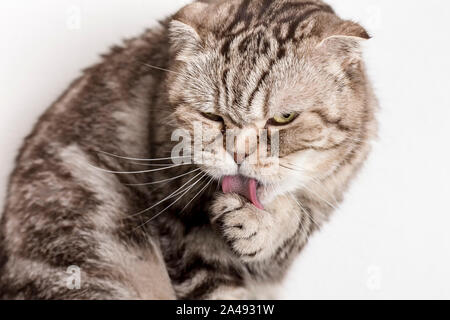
column 254, row 234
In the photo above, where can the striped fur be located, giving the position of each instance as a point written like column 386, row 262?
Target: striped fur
column 243, row 60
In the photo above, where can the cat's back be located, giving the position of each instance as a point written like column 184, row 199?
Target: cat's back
column 61, row 213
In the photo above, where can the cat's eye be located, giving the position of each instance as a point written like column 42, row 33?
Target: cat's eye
column 212, row 116
column 283, row 119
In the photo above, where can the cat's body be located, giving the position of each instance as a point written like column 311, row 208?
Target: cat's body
column 62, row 210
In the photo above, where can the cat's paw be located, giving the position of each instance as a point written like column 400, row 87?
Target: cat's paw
column 246, row 229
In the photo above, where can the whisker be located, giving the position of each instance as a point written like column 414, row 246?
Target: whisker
column 136, row 172
column 302, row 225
column 334, row 206
column 304, row 210
column 173, row 194
column 171, row 71
column 292, row 169
column 328, row 192
column 159, row 68
column 320, row 197
column 297, row 215
column 161, row 181
column 140, row 159
column 173, row 203
column 314, row 193
column 152, row 164
column 198, row 193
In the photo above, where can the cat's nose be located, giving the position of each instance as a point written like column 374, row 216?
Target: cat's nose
column 240, row 157
column 243, row 144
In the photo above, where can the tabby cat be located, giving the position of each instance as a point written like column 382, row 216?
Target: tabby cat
column 97, row 193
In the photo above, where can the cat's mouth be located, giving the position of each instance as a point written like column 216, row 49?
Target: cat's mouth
column 244, row 186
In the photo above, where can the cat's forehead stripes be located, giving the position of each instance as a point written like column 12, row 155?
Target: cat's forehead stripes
column 254, row 40
column 266, row 13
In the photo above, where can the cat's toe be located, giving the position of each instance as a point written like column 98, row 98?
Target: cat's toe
column 224, row 204
column 245, row 228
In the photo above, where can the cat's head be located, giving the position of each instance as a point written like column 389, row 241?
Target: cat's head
column 292, row 68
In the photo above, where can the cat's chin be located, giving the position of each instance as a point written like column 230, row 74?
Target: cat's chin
column 266, row 194
column 269, row 193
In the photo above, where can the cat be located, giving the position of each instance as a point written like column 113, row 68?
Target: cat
column 97, row 206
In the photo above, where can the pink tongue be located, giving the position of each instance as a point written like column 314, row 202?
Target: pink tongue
column 244, row 186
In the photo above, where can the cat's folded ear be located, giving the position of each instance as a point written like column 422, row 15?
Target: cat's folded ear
column 184, row 38
column 185, row 42
column 345, row 42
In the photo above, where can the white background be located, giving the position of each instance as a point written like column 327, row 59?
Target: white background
column 391, row 238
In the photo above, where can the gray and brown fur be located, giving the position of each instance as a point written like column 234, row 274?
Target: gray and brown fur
column 243, row 60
